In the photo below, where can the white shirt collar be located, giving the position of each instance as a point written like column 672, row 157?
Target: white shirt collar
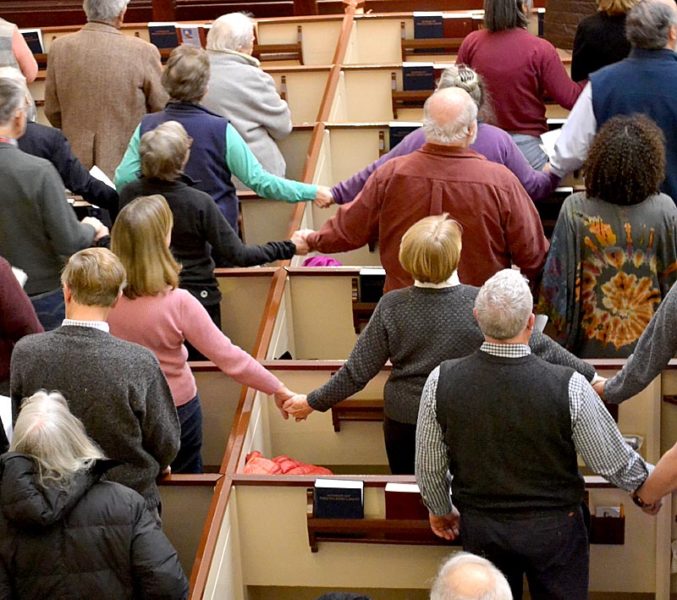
column 100, row 325
column 452, row 281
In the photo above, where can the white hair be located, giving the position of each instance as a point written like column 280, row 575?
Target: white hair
column 233, row 31
column 452, row 580
column 449, row 132
column 46, row 430
column 16, row 75
column 12, row 98
column 104, row 10
column 504, row 304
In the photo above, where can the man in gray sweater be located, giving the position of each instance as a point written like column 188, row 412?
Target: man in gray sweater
column 37, row 227
column 114, row 387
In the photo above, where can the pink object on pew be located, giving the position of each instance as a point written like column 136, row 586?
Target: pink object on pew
column 256, row 464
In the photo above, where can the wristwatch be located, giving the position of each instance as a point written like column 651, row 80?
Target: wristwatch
column 638, row 501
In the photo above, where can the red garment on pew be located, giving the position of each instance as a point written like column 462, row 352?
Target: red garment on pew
column 256, row 464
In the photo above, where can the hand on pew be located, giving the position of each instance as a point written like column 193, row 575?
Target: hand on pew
column 100, row 230
column 299, row 239
column 446, row 526
column 323, row 198
column 298, row 407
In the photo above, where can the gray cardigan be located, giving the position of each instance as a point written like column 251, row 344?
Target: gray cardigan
column 37, row 226
column 115, row 388
column 417, row 329
column 246, row 95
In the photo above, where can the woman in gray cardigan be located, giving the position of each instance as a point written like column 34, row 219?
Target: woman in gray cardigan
column 245, row 94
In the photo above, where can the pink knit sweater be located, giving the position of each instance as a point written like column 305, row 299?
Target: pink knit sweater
column 163, row 322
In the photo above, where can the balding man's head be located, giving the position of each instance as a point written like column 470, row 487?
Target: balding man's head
column 450, row 118
column 652, row 25
column 468, row 577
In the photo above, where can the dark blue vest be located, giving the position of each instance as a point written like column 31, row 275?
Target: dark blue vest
column 645, row 82
column 206, row 165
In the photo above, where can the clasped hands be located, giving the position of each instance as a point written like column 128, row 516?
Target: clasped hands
column 292, row 405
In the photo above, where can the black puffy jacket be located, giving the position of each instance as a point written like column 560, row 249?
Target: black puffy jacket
column 95, row 541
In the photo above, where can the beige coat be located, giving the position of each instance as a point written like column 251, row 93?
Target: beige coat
column 99, row 85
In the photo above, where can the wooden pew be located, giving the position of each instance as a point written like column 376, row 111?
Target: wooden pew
column 185, row 505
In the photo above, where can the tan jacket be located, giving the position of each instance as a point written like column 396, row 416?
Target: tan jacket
column 99, row 85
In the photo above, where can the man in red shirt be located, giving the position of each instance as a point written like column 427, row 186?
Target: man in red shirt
column 501, row 226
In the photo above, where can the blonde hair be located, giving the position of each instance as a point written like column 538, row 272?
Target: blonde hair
column 431, row 248
column 46, row 430
column 95, row 277
column 186, row 74
column 163, row 151
column 615, row 7
column 139, row 238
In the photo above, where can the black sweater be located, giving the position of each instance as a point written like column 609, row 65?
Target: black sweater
column 202, row 238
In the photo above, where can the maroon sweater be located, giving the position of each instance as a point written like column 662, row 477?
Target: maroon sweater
column 519, row 70
column 500, row 223
column 17, row 317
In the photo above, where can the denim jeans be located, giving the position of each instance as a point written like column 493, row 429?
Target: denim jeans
column 50, row 308
column 189, row 460
column 530, row 147
column 549, row 547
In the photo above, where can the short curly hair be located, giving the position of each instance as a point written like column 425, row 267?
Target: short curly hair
column 626, row 163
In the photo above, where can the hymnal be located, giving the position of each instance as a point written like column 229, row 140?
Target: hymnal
column 338, row 499
column 403, row 501
column 428, row 25
column 33, row 39
column 398, row 130
column 417, row 76
column 163, row 35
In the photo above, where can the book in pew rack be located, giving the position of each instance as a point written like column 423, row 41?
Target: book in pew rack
column 403, row 501
column 192, row 35
column 398, row 130
column 338, row 499
column 421, row 76
column 163, row 35
column 33, row 39
column 438, row 25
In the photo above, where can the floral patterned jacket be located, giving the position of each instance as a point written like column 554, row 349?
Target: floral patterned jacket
column 608, row 268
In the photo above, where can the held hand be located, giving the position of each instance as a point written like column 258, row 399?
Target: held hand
column 652, row 509
column 323, row 198
column 300, row 240
column 298, row 407
column 598, row 386
column 281, row 396
column 446, row 526
column 100, row 230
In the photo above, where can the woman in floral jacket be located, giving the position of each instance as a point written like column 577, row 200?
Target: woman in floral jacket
column 613, row 254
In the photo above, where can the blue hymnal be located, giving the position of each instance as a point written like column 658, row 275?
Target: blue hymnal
column 338, row 499
column 428, row 25
column 163, row 35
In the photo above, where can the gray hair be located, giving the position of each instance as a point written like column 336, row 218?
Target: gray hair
column 186, row 74
column 104, row 10
column 465, row 576
column 648, row 24
column 231, row 32
column 46, row 430
column 163, row 151
column 449, row 132
column 463, row 77
column 16, row 75
column 12, row 98
column 504, row 304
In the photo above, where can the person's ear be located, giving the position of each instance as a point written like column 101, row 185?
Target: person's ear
column 67, row 293
column 531, row 322
column 116, row 299
column 474, row 314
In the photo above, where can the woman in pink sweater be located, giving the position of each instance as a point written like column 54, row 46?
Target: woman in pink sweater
column 519, row 70
column 153, row 312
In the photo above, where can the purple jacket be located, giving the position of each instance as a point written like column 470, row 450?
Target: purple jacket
column 492, row 142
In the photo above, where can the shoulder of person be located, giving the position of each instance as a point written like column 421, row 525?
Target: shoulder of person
column 120, row 505
column 137, row 355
